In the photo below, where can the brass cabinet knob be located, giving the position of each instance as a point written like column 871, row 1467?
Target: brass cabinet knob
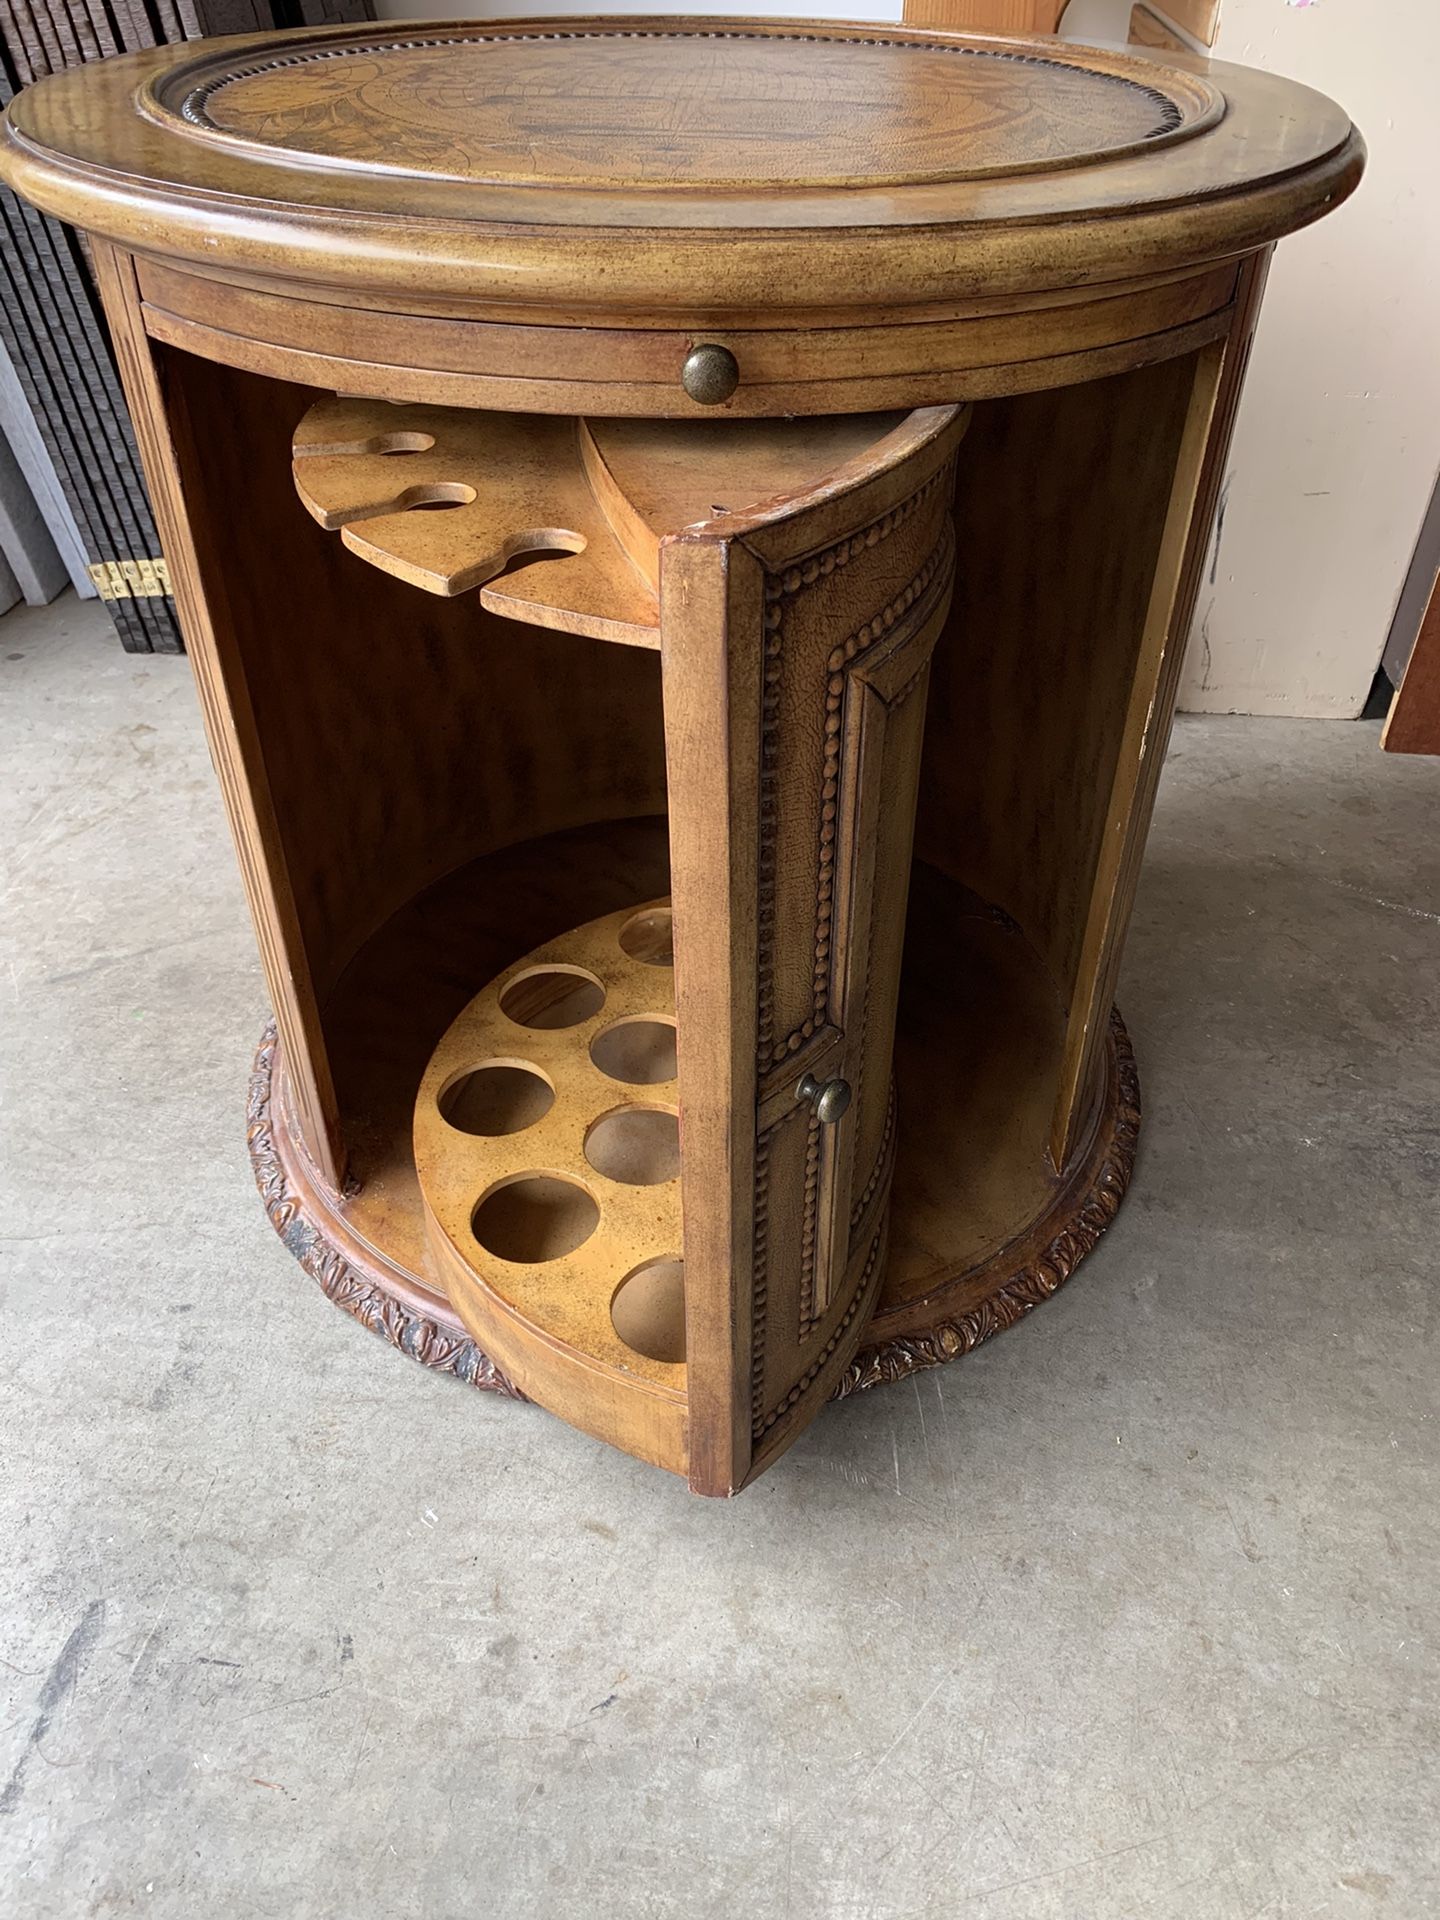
column 710, row 374
column 829, row 1098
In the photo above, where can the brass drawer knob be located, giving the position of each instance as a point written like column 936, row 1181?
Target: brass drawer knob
column 829, row 1098
column 710, row 374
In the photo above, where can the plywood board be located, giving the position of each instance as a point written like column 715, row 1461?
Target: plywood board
column 21, row 430
column 1147, row 29
column 986, row 16
column 25, row 544
column 1199, row 18
column 1414, row 723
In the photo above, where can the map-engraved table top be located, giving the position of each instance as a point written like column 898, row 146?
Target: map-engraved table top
column 630, row 109
column 568, row 164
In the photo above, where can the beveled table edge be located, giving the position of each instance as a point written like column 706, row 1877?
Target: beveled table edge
column 613, row 255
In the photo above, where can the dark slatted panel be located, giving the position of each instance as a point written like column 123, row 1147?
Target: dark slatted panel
column 49, row 316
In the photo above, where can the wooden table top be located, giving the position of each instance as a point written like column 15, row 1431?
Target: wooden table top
column 615, row 108
column 595, row 164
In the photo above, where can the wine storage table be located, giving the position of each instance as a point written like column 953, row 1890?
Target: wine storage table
column 686, row 533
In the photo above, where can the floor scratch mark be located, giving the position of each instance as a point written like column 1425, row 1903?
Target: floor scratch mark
column 1390, row 906
column 905, row 1731
column 60, row 1684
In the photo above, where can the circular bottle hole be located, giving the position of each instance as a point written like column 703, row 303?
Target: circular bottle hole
column 399, row 443
column 649, row 936
column 534, row 1217
column 640, row 1051
column 648, row 1311
column 639, row 1146
column 441, row 497
column 501, row 1097
column 552, row 997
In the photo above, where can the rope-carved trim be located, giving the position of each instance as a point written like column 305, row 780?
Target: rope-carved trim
column 760, row 1280
column 810, row 1227
column 194, row 107
column 434, row 1346
column 780, row 589
column 409, row 1332
column 862, row 1297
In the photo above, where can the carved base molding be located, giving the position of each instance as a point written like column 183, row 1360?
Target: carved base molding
column 961, row 1313
column 1037, row 1263
column 307, row 1220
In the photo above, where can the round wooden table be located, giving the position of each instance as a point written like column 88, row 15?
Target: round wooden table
column 686, row 532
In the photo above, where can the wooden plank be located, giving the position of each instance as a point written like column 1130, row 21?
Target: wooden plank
column 21, row 58
column 49, row 324
column 1414, row 722
column 36, row 37
column 84, row 373
column 18, row 323
column 1199, row 18
column 21, row 429
column 30, row 554
column 64, row 366
column 1147, row 29
column 986, row 16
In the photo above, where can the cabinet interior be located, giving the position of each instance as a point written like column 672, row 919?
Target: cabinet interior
column 457, row 778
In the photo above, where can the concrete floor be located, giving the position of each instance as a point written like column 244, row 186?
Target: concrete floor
column 1130, row 1614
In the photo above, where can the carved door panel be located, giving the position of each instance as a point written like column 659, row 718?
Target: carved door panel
column 797, row 642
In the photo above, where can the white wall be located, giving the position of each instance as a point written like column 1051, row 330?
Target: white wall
column 1338, row 442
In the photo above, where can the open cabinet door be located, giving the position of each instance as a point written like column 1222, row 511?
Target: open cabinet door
column 796, row 641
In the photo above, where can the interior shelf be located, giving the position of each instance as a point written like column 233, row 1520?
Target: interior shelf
column 977, row 1008
column 557, row 521
column 547, row 1149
